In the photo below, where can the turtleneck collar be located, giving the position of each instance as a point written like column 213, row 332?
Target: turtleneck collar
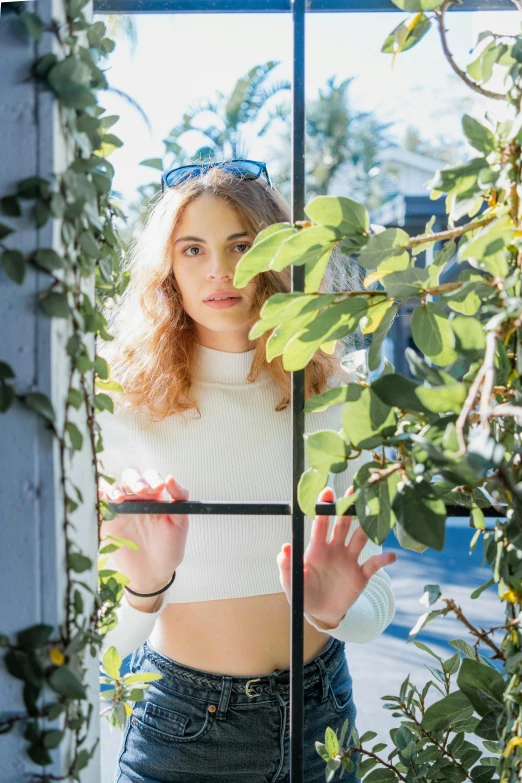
column 216, row 366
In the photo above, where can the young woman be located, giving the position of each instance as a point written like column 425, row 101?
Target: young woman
column 203, row 413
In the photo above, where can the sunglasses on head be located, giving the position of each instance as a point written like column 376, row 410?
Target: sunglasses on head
column 246, row 169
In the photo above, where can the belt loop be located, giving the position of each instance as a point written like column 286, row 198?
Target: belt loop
column 273, row 686
column 324, row 679
column 224, row 700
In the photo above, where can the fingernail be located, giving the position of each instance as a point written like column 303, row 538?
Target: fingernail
column 141, row 485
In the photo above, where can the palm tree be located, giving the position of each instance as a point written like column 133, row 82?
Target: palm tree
column 226, row 117
column 341, row 147
column 232, row 113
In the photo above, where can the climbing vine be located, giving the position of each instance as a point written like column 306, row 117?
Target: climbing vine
column 51, row 661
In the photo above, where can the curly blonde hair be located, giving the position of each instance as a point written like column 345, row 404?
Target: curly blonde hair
column 154, row 345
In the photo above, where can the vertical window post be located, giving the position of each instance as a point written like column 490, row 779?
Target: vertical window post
column 297, row 407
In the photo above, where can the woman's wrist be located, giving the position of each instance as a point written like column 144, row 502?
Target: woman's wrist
column 150, row 591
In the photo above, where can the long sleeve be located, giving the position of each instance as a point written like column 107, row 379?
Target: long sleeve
column 374, row 610
column 133, row 626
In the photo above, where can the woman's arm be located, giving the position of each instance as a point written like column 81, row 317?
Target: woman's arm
column 135, row 621
column 374, row 610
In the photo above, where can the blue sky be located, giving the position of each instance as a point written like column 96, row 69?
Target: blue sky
column 183, row 58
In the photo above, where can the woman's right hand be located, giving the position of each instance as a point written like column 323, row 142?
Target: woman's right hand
column 161, row 537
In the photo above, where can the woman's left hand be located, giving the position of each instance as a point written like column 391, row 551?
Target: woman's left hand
column 333, row 578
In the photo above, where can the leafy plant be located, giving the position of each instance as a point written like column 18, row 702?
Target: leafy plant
column 451, row 435
column 51, row 662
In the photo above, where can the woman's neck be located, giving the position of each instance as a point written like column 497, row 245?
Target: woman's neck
column 231, row 342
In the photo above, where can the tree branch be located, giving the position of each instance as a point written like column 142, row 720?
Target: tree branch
column 439, row 13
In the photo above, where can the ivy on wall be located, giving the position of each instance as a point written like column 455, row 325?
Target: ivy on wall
column 51, row 661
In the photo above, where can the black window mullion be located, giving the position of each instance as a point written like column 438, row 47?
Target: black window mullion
column 297, row 408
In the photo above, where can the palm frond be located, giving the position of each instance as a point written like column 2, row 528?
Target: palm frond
column 134, row 103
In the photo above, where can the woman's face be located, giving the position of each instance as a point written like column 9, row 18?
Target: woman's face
column 207, row 244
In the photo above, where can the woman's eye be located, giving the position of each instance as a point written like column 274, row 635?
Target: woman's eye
column 243, row 244
column 192, row 247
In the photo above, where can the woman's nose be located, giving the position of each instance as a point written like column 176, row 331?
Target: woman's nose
column 220, row 266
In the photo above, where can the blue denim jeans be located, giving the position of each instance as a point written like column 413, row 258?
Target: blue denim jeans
column 194, row 726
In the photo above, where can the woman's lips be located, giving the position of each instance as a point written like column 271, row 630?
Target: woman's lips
column 223, row 304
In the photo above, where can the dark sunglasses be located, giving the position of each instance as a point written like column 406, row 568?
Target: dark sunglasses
column 247, row 169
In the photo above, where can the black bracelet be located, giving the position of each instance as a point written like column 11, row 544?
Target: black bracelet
column 150, row 595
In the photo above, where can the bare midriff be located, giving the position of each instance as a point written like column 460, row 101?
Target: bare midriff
column 236, row 636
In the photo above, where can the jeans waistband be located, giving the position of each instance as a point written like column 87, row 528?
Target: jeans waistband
column 315, row 671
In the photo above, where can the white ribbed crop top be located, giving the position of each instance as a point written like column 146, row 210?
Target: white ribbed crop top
column 239, row 449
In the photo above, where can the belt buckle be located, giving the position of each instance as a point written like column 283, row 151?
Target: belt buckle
column 252, row 695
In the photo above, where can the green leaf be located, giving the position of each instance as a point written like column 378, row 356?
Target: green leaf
column 407, row 283
column 331, row 742
column 430, row 595
column 75, row 398
column 142, row 677
column 40, row 403
column 442, row 715
column 326, row 451
column 34, row 637
column 464, row 647
column 14, row 265
column 315, row 270
column 396, row 390
column 51, row 739
column 408, row 33
column 6, row 371
column 323, row 401
column 56, row 305
column 34, row 187
column 153, row 163
column 66, row 683
column 332, row 323
column 112, row 662
column 425, row 647
column 284, row 332
column 374, row 351
column 451, row 665
column 307, row 246
column 7, row 396
column 474, row 677
column 470, row 335
column 259, row 257
column 433, row 335
column 365, row 418
column 459, row 179
column 39, row 755
column 442, row 399
column 103, row 402
column 476, row 593
column 48, row 259
column 124, row 542
column 75, row 435
column 480, row 137
column 79, row 562
column 422, row 514
column 380, row 247
column 488, row 241
column 89, row 245
column 101, row 368
column 310, row 484
column 374, row 502
column 339, row 212
column 5, row 231
column 10, row 206
column 380, row 776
